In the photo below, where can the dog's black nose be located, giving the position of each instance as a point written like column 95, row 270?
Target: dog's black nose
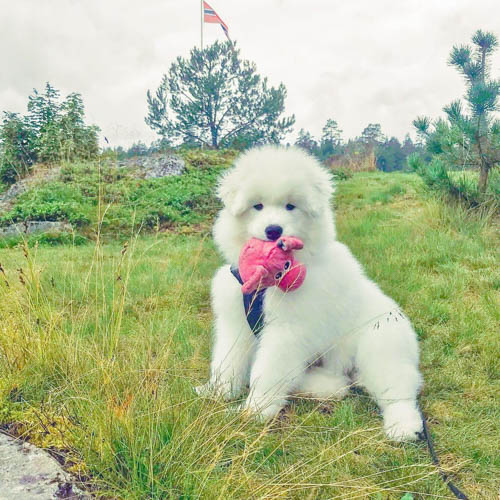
column 273, row 232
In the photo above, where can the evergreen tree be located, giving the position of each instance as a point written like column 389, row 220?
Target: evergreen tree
column 137, row 149
column 408, row 147
column 306, row 141
column 77, row 139
column 217, row 99
column 331, row 139
column 17, row 154
column 160, row 145
column 44, row 113
column 469, row 139
column 390, row 155
column 372, row 135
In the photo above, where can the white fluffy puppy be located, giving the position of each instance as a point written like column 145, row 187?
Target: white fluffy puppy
column 338, row 316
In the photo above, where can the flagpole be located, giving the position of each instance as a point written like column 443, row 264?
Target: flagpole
column 201, row 11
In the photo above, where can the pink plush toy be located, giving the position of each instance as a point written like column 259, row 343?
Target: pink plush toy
column 267, row 263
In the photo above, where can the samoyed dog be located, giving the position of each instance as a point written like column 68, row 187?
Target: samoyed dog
column 336, row 330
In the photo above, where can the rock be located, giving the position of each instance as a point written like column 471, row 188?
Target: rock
column 163, row 166
column 153, row 167
column 27, row 472
column 42, row 175
column 32, row 227
column 14, row 191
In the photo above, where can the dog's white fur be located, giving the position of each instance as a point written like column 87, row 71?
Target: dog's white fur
column 338, row 315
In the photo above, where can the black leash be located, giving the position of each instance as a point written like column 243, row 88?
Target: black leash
column 435, row 460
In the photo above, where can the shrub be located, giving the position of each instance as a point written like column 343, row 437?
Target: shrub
column 51, row 202
column 342, row 174
column 353, row 161
column 459, row 184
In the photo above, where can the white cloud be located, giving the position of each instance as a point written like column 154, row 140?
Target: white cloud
column 356, row 61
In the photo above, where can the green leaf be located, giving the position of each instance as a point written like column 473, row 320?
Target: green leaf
column 407, row 496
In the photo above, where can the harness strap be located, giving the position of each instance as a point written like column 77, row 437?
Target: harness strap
column 253, row 304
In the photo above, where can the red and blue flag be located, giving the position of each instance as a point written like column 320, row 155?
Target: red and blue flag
column 210, row 16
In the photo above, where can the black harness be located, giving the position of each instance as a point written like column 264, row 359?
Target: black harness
column 253, row 304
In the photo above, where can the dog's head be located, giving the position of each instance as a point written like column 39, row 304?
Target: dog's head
column 270, row 192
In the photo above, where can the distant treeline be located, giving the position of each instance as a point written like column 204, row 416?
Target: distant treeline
column 369, row 151
column 140, row 148
column 372, row 149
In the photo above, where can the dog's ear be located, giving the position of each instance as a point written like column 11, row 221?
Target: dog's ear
column 229, row 192
column 320, row 192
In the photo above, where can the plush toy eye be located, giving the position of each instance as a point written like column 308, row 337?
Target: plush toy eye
column 287, row 265
column 289, row 206
column 278, row 275
column 259, row 206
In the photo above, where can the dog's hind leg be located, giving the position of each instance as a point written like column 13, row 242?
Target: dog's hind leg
column 387, row 363
column 321, row 383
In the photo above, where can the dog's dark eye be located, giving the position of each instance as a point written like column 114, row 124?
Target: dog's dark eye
column 278, row 275
column 259, row 206
column 289, row 206
column 287, row 265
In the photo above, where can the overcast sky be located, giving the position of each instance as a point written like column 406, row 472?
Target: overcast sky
column 357, row 61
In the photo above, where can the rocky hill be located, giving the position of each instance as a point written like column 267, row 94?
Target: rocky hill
column 147, row 193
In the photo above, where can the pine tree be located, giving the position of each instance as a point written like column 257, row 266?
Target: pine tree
column 331, row 139
column 306, row 141
column 44, row 113
column 77, row 139
column 216, row 99
column 372, row 135
column 469, row 139
column 137, row 149
column 390, row 155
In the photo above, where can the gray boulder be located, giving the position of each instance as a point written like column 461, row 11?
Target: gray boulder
column 27, row 472
column 14, row 191
column 32, row 227
column 39, row 177
column 156, row 166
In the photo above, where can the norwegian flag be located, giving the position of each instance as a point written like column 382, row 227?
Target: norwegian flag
column 210, row 16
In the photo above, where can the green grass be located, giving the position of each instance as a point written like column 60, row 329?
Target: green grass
column 45, row 239
column 101, row 344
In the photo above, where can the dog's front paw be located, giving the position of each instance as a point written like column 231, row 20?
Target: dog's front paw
column 402, row 421
column 262, row 410
column 205, row 390
column 226, row 391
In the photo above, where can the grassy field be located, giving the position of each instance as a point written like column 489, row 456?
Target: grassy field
column 100, row 346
